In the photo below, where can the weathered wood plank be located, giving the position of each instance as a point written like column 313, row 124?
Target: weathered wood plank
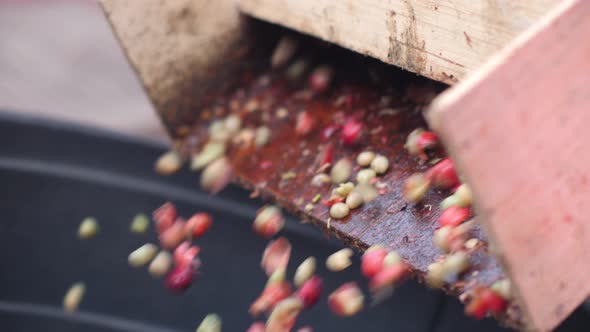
column 518, row 132
column 184, row 51
column 442, row 40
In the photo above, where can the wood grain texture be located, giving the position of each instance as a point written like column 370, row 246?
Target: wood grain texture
column 442, row 40
column 518, row 131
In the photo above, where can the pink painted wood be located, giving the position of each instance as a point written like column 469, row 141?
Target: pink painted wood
column 518, row 130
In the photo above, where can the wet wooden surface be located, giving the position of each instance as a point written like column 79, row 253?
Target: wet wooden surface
column 283, row 169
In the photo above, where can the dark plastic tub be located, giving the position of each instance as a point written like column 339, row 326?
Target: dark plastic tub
column 52, row 175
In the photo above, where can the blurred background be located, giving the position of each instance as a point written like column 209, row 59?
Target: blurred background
column 59, row 59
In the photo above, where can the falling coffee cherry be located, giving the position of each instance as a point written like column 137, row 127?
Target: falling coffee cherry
column 180, row 279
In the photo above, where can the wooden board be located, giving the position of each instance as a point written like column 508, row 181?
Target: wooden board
column 185, row 52
column 518, row 131
column 442, row 40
